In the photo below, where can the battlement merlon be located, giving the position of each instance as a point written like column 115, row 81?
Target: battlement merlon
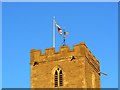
column 64, row 49
column 78, row 49
column 49, row 51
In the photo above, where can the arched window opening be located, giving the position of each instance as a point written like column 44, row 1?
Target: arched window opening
column 58, row 80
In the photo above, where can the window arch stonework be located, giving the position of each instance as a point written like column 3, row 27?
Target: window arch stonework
column 58, row 77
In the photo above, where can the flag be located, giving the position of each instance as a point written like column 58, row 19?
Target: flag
column 59, row 28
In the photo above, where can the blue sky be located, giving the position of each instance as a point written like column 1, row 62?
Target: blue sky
column 29, row 25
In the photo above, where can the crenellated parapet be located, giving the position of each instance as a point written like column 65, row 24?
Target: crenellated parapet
column 79, row 50
column 34, row 55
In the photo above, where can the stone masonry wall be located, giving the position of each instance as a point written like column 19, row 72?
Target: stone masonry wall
column 76, row 73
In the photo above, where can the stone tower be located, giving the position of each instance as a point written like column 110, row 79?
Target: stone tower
column 77, row 68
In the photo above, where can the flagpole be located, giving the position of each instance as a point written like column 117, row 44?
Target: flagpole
column 54, row 32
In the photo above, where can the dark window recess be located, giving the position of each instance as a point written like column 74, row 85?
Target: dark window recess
column 58, row 78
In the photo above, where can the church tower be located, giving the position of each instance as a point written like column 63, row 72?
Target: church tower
column 77, row 68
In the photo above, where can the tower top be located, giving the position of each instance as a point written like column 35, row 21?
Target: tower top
column 79, row 50
column 77, row 63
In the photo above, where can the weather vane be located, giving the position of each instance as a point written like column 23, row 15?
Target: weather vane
column 61, row 31
column 64, row 37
